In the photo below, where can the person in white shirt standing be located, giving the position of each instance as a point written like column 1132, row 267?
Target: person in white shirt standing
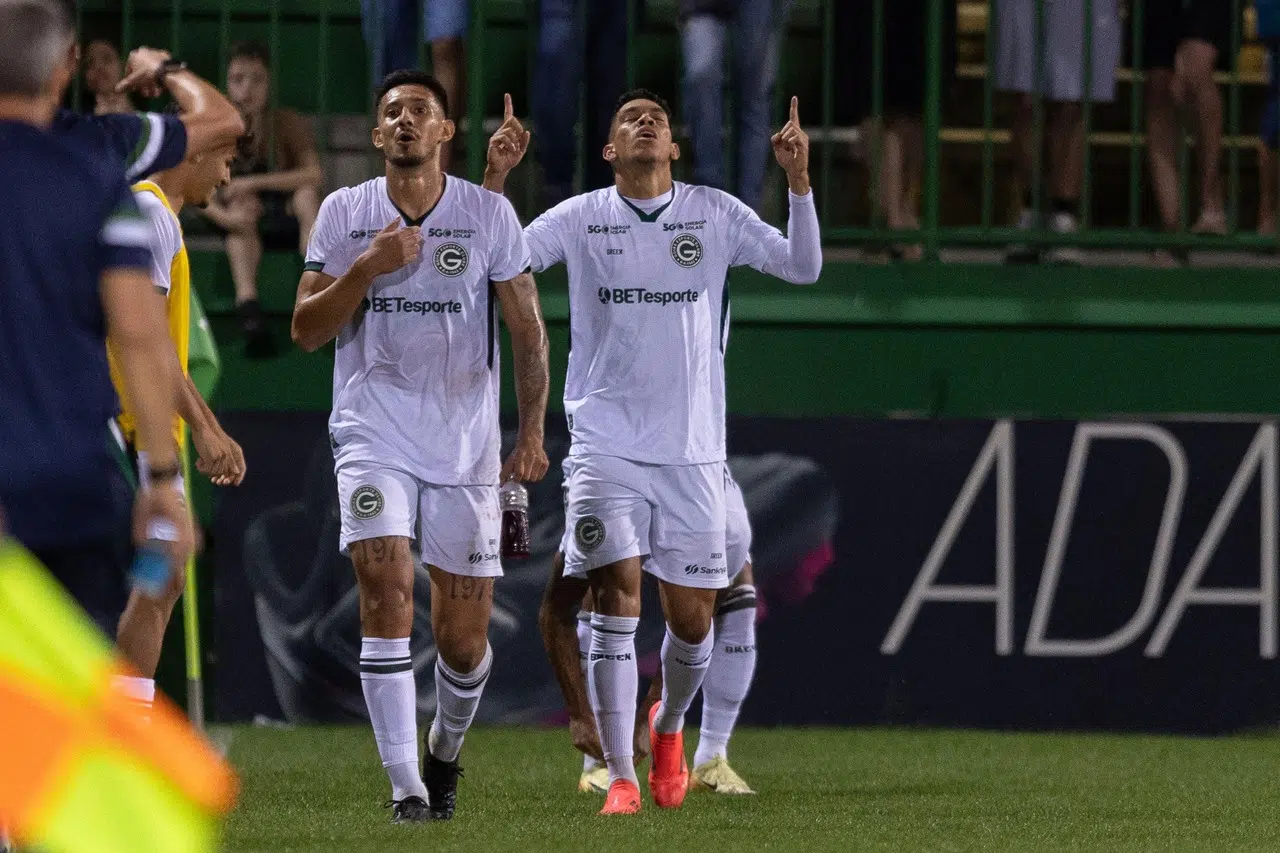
column 648, row 263
column 407, row 272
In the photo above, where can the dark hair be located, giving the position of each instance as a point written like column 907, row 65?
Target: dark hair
column 250, row 49
column 641, row 95
column 410, row 77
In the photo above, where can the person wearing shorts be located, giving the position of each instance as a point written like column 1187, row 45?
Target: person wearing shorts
column 1183, row 43
column 1040, row 53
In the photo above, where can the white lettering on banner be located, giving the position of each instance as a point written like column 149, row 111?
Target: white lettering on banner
column 997, row 453
column 1261, row 456
column 1037, row 645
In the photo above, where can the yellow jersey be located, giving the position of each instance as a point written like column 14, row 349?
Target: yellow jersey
column 167, row 241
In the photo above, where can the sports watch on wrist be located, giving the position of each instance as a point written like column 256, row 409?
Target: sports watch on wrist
column 168, row 67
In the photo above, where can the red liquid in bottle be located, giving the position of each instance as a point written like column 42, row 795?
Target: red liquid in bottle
column 515, row 534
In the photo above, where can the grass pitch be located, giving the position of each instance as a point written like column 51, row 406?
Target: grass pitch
column 320, row 789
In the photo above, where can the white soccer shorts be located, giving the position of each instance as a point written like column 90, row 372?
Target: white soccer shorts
column 737, row 529
column 458, row 528
column 674, row 514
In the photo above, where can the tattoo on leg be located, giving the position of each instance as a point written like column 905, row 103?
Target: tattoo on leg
column 468, row 589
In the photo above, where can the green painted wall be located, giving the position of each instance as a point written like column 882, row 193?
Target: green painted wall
column 953, row 341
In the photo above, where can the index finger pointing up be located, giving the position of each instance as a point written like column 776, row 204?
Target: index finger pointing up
column 507, row 111
column 795, row 110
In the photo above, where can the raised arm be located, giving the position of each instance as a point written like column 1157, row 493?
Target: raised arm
column 522, row 313
column 507, row 147
column 325, row 304
column 211, row 120
column 796, row 258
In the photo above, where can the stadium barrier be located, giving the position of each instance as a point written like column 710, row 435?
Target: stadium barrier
column 1019, row 574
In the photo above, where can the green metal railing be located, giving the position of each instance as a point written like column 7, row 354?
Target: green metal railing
column 318, row 53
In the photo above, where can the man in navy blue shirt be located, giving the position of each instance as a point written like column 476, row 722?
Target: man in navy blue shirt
column 73, row 264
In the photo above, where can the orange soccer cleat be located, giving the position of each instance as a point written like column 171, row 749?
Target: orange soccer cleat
column 623, row 798
column 668, row 771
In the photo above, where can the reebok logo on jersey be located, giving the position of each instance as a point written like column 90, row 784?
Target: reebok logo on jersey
column 711, row 571
column 686, row 250
column 450, row 259
column 400, row 305
column 366, row 503
column 639, row 295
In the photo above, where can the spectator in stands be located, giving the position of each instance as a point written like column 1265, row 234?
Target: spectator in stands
column 393, row 32
column 1183, row 42
column 274, row 193
column 570, row 36
column 757, row 28
column 1268, row 12
column 1042, row 54
column 892, row 142
column 103, row 69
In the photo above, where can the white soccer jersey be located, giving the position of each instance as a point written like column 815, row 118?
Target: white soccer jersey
column 649, row 312
column 164, row 237
column 415, row 378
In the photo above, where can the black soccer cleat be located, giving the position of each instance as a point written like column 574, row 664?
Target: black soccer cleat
column 441, row 779
column 409, row 810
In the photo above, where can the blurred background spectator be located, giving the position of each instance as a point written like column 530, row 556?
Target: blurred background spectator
column 103, row 69
column 892, row 141
column 576, row 36
column 274, row 194
column 707, row 29
column 393, row 33
column 1183, row 42
column 1268, row 16
column 1041, row 53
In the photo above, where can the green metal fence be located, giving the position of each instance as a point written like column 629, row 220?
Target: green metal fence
column 965, row 186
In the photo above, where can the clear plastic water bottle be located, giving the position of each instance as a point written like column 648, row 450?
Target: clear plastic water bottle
column 514, row 500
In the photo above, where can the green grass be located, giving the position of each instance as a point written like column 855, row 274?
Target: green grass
column 319, row 789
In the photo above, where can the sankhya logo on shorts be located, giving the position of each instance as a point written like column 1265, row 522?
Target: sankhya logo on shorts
column 451, row 259
column 589, row 533
column 366, row 503
column 686, row 250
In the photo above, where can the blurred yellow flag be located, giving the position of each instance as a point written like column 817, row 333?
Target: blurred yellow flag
column 80, row 769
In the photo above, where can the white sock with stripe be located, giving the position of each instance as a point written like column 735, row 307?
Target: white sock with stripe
column 613, row 682
column 584, row 653
column 733, row 662
column 684, row 665
column 457, row 698
column 386, row 675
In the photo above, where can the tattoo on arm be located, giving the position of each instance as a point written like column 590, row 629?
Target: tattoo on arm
column 522, row 313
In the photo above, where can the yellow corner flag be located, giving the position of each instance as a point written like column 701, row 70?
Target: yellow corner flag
column 80, row 769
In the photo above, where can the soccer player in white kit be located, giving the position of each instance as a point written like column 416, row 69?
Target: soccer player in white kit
column 407, row 272
column 648, row 263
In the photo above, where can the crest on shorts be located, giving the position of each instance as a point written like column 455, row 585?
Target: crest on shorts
column 686, row 250
column 366, row 503
column 450, row 259
column 589, row 533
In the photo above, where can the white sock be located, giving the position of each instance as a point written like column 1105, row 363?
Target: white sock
column 612, row 683
column 684, row 665
column 386, row 675
column 733, row 662
column 584, row 652
column 457, row 698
